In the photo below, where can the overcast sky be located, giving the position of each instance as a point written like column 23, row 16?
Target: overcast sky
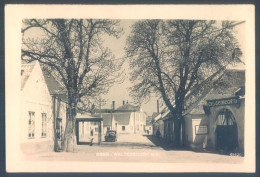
column 120, row 92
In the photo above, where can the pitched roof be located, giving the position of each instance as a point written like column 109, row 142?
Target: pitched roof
column 122, row 118
column 26, row 69
column 128, row 107
column 155, row 114
column 107, row 119
column 55, row 88
column 87, row 116
column 226, row 87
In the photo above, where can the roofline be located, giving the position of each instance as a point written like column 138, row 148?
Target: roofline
column 55, row 96
column 89, row 119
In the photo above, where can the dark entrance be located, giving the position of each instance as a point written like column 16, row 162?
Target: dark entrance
column 88, row 130
column 226, row 131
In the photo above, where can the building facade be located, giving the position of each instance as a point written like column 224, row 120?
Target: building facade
column 40, row 107
column 216, row 120
column 126, row 119
column 149, row 126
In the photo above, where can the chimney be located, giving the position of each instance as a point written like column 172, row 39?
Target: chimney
column 158, row 110
column 113, row 105
column 123, row 102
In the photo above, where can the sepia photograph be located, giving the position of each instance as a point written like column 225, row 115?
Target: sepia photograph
column 132, row 91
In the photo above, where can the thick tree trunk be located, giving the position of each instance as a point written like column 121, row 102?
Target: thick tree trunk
column 177, row 133
column 69, row 137
column 183, row 140
column 70, row 133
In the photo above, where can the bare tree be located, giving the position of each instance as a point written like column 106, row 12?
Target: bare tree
column 171, row 57
column 73, row 50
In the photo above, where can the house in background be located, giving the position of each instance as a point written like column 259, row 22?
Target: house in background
column 149, row 126
column 43, row 109
column 125, row 119
column 137, row 118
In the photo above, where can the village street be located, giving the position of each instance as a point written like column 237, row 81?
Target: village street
column 134, row 148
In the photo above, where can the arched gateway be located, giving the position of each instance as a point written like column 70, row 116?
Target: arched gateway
column 226, row 131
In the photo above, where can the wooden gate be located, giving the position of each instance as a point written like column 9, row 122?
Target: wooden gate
column 226, row 132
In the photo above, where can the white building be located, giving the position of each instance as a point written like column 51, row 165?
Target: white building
column 40, row 102
column 125, row 119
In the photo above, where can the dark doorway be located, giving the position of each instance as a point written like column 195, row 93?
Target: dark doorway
column 88, row 130
column 226, row 131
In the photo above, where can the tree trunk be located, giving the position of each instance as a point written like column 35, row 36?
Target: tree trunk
column 177, row 132
column 69, row 137
column 183, row 142
column 70, row 130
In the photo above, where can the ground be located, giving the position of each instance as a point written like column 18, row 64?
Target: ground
column 135, row 148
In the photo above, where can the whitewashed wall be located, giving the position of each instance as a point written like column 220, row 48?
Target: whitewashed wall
column 36, row 98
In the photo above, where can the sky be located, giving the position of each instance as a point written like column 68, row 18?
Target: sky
column 120, row 92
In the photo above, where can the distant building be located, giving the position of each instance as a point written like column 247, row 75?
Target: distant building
column 125, row 119
column 88, row 128
column 149, row 126
column 43, row 109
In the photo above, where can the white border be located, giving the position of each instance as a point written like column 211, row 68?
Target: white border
column 13, row 17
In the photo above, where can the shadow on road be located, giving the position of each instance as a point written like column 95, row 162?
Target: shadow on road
column 169, row 146
column 130, row 145
column 162, row 143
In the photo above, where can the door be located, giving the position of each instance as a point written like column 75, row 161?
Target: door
column 226, row 132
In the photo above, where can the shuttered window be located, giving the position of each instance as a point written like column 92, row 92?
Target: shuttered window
column 31, row 125
column 44, row 123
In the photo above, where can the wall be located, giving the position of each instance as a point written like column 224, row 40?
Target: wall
column 161, row 128
column 238, row 113
column 139, row 122
column 36, row 98
column 193, row 140
column 126, row 131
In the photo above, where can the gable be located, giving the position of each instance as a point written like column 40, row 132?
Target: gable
column 26, row 69
column 34, row 88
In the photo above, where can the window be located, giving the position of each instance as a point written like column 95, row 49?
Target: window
column 123, row 128
column 108, row 128
column 96, row 129
column 31, row 125
column 44, row 124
